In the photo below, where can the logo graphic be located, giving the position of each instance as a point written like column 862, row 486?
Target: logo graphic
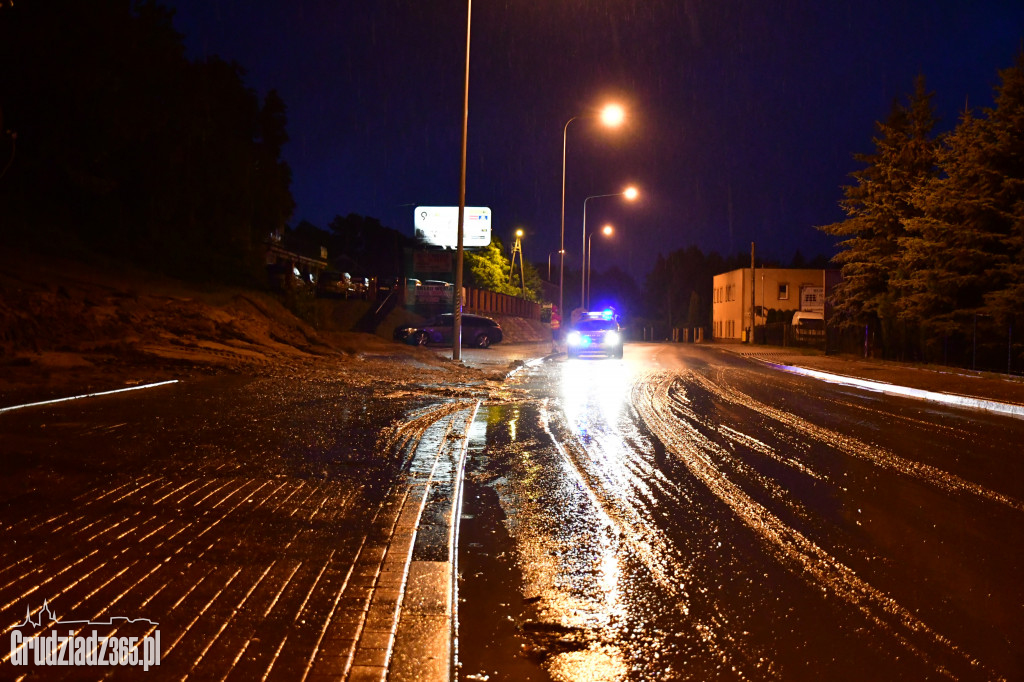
column 52, row 647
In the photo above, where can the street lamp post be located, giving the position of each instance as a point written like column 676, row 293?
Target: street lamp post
column 549, row 261
column 518, row 249
column 612, row 116
column 606, row 231
column 630, row 193
column 457, row 297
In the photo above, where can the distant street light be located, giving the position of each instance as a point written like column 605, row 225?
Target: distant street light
column 518, row 249
column 612, row 115
column 549, row 261
column 630, row 193
column 606, row 231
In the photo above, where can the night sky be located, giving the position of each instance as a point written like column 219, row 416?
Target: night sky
column 742, row 116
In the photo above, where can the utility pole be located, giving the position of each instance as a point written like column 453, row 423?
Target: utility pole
column 753, row 288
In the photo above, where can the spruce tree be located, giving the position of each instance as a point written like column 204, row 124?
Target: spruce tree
column 877, row 207
column 962, row 254
column 1006, row 130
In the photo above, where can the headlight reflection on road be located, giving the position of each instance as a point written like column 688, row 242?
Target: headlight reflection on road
column 594, row 396
column 596, row 390
column 512, row 423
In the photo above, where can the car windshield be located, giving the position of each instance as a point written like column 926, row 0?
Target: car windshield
column 595, row 325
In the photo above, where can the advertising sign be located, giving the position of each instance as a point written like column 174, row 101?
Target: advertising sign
column 439, row 226
column 812, row 299
column 432, row 262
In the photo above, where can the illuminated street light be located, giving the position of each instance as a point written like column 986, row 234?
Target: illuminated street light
column 612, row 115
column 518, row 249
column 606, row 231
column 560, row 251
column 631, row 193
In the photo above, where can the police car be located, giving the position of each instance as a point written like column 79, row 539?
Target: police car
column 595, row 333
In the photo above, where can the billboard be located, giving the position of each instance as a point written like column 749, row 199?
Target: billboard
column 439, row 226
column 812, row 299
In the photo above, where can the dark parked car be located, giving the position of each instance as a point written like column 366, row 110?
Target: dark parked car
column 595, row 333
column 477, row 331
column 285, row 277
column 334, row 285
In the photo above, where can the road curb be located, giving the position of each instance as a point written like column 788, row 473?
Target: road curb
column 953, row 399
column 424, row 628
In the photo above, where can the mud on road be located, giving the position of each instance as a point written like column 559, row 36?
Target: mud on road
column 693, row 516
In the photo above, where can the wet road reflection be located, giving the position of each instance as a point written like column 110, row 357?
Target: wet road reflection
column 678, row 515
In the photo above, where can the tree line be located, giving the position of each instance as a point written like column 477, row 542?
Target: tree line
column 113, row 140
column 678, row 292
column 361, row 245
column 933, row 239
column 122, row 144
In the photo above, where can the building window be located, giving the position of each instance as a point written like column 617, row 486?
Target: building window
column 783, row 292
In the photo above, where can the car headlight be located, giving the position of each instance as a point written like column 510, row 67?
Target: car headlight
column 611, row 339
column 573, row 338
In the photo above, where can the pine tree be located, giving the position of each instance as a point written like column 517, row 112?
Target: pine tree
column 962, row 254
column 1006, row 127
column 877, row 207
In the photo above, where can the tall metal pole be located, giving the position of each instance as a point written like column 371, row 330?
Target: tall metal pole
column 583, row 255
column 457, row 298
column 590, row 244
column 583, row 258
column 753, row 300
column 561, row 244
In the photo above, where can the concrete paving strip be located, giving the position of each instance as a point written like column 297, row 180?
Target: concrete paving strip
column 1011, row 409
column 407, row 631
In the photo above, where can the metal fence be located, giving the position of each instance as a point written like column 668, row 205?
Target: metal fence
column 984, row 345
column 431, row 300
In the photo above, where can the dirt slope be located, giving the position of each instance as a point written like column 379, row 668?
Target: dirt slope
column 65, row 325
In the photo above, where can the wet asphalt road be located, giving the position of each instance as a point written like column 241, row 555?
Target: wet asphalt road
column 688, row 514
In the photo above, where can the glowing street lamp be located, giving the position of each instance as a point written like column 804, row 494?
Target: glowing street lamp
column 560, row 251
column 606, row 231
column 612, row 115
column 630, row 193
column 518, row 249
